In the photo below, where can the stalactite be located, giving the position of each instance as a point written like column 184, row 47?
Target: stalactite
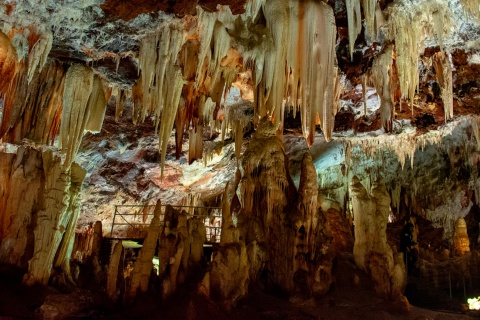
column 121, row 96
column 180, row 123
column 303, row 35
column 471, row 7
column 38, row 117
column 137, row 101
column 369, row 11
column 444, row 75
column 381, row 69
column 195, row 149
column 14, row 101
column 403, row 145
column 354, row 22
column 161, row 79
column 8, row 62
column 97, row 106
column 364, row 94
column 78, row 87
column 39, row 54
column 411, row 22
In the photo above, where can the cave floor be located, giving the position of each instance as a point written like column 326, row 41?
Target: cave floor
column 19, row 302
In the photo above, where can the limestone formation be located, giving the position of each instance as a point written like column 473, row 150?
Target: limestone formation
column 53, row 219
column 143, row 266
column 21, row 182
column 229, row 277
column 371, row 250
column 180, row 250
column 460, row 239
column 112, row 273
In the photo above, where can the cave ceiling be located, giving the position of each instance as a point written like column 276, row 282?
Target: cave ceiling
column 423, row 58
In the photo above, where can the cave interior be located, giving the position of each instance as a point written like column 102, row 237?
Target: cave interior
column 262, row 159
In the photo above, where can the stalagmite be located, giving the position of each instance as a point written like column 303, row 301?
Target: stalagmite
column 371, row 250
column 444, row 75
column 39, row 54
column 64, row 254
column 112, row 273
column 53, row 219
column 228, row 279
column 307, row 200
column 354, row 22
column 174, row 251
column 143, row 266
column 461, row 241
column 19, row 194
column 229, row 231
column 266, row 189
column 197, row 233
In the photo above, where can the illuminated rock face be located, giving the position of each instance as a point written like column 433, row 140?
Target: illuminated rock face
column 460, row 239
column 288, row 240
column 47, row 203
column 371, row 250
column 175, row 71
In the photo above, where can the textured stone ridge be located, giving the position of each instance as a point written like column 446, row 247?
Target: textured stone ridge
column 128, row 10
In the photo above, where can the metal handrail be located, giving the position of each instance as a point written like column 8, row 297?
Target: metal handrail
column 213, row 233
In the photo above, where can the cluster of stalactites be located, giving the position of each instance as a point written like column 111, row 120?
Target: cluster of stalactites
column 39, row 54
column 373, row 20
column 304, row 35
column 354, row 23
column 411, row 22
column 84, row 105
column 292, row 60
column 161, row 80
column 297, row 71
column 471, row 7
column 32, row 105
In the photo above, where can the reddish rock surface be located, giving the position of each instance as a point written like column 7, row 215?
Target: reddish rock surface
column 128, row 10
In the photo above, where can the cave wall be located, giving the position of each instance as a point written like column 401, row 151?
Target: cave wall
column 39, row 213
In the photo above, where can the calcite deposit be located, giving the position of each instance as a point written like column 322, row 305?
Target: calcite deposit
column 171, row 152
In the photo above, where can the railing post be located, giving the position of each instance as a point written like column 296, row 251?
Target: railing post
column 113, row 222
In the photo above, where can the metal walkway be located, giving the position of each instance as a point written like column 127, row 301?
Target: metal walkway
column 134, row 220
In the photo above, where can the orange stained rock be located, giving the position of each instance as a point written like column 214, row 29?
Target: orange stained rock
column 128, row 10
column 8, row 62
